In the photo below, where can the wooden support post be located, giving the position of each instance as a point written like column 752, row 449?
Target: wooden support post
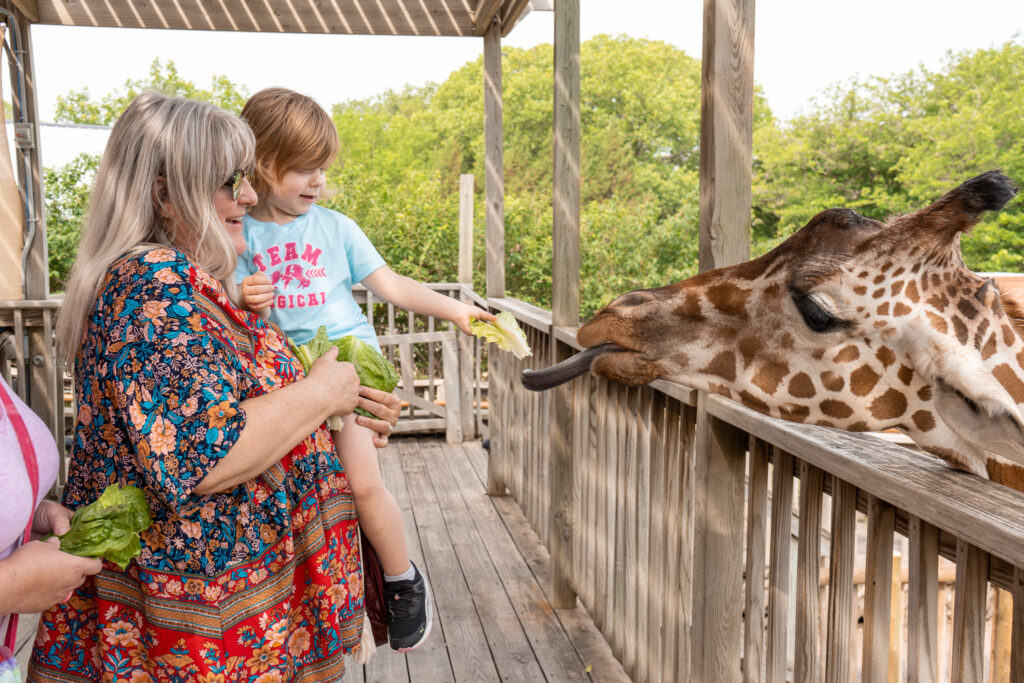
column 969, row 613
column 494, row 161
column 720, row 462
column 922, row 602
column 565, row 309
column 878, row 591
column 466, row 344
column 727, row 106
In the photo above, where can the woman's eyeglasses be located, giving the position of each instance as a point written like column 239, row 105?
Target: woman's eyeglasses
column 234, row 181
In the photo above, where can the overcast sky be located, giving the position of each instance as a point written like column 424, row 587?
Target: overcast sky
column 801, row 46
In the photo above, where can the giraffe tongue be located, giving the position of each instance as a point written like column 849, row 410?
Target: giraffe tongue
column 570, row 368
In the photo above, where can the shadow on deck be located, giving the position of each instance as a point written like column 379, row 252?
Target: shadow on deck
column 490, row 577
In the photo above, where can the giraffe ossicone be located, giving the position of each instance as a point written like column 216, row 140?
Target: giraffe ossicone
column 850, row 323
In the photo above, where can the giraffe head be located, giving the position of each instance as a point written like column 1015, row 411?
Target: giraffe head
column 850, row 323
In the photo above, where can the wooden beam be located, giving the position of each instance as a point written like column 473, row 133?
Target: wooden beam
column 494, row 162
column 483, row 15
column 29, row 8
column 514, row 10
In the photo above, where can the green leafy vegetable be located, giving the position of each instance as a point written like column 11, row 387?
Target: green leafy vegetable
column 109, row 527
column 373, row 369
column 505, row 332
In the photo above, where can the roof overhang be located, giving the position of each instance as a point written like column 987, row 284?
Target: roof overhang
column 354, row 17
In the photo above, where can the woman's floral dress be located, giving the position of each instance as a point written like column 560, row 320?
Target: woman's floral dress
column 260, row 583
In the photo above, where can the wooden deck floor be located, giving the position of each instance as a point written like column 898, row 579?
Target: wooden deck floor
column 490, row 578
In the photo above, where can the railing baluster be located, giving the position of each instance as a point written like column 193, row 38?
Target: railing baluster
column 778, row 582
column 642, row 634
column 922, row 599
column 675, row 483
column 655, row 598
column 805, row 662
column 969, row 614
column 840, row 583
column 753, row 605
column 877, row 591
column 1017, row 640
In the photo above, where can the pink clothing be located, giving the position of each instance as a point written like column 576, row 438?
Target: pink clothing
column 16, row 508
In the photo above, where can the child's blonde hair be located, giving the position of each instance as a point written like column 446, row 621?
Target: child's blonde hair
column 292, row 131
column 194, row 147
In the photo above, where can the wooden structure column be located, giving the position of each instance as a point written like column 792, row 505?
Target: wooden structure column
column 565, row 283
column 727, row 96
column 494, row 213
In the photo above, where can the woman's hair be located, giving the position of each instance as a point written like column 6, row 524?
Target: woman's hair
column 195, row 146
column 292, row 132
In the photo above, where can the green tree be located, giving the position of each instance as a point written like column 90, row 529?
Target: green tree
column 78, row 106
column 67, row 194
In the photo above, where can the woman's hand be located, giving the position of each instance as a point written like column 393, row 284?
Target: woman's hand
column 38, row 575
column 382, row 404
column 465, row 312
column 51, row 518
column 339, row 382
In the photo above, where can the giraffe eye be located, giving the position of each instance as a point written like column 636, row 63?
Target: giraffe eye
column 815, row 317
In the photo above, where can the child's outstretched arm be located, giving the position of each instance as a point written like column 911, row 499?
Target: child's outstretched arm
column 257, row 293
column 408, row 293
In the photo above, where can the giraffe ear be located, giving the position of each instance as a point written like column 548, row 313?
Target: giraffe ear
column 960, row 209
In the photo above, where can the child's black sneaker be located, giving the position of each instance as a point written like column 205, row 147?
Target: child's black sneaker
column 410, row 611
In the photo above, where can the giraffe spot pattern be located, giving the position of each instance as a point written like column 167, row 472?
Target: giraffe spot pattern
column 967, row 309
column 979, row 334
column 860, row 290
column 878, row 279
column 859, row 426
column 938, row 301
column 924, row 420
column 899, row 271
column 990, row 347
column 886, row 356
column 912, row 293
column 729, row 299
column 863, row 380
column 832, row 381
column 723, row 365
column 801, row 386
column 889, row 405
column 878, row 293
column 905, row 373
column 836, row 409
column 769, row 375
column 896, row 288
column 751, row 401
column 794, row 412
column 1010, row 381
column 690, row 307
column 818, row 354
column 1008, row 335
column 749, row 347
column 960, row 329
column 938, row 324
column 925, row 393
column 723, row 389
column 883, row 309
column 847, row 354
column 901, row 309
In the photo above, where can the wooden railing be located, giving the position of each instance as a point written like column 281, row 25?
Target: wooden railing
column 681, row 535
column 443, row 387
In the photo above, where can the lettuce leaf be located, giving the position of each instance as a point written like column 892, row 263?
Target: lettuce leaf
column 505, row 332
column 109, row 527
column 373, row 369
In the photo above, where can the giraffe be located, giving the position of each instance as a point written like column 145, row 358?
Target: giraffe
column 849, row 323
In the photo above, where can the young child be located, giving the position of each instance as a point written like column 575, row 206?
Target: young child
column 300, row 265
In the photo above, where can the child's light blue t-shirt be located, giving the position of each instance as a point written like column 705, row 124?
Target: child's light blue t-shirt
column 313, row 262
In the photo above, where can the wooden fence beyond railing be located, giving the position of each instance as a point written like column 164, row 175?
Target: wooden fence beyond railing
column 632, row 565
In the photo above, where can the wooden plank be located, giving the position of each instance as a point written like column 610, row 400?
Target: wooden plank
column 617, row 581
column 922, row 602
column 1002, row 629
column 877, row 587
column 511, row 13
column 842, row 552
column 969, row 613
column 779, row 566
column 429, row 662
column 466, row 229
column 381, row 17
column 453, row 604
column 519, row 560
column 560, row 487
column 630, row 524
column 675, row 474
column 591, row 555
column 452, row 391
column 718, row 548
column 754, row 597
column 485, row 12
column 895, row 618
column 991, row 515
column 565, row 201
column 726, row 132
column 652, row 591
column 806, row 662
column 613, row 619
column 602, row 490
column 494, row 164
column 527, row 314
column 455, row 486
column 408, row 338
column 1017, row 646
column 497, row 454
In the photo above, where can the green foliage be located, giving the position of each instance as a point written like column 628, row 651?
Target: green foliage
column 79, row 107
column 67, row 194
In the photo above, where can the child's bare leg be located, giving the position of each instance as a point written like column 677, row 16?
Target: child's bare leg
column 379, row 515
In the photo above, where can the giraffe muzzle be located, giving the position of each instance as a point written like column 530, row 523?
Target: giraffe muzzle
column 570, row 368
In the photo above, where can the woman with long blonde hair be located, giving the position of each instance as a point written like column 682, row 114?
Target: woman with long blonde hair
column 251, row 567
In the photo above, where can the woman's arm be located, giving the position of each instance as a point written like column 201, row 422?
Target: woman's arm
column 408, row 293
column 278, row 420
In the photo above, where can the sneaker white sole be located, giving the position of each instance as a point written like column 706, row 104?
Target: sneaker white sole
column 430, row 618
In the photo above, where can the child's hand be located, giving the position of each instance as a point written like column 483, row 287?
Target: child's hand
column 461, row 319
column 257, row 292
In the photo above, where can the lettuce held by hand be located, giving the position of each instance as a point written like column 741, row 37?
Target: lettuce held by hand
column 373, row 369
column 109, row 527
column 505, row 332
